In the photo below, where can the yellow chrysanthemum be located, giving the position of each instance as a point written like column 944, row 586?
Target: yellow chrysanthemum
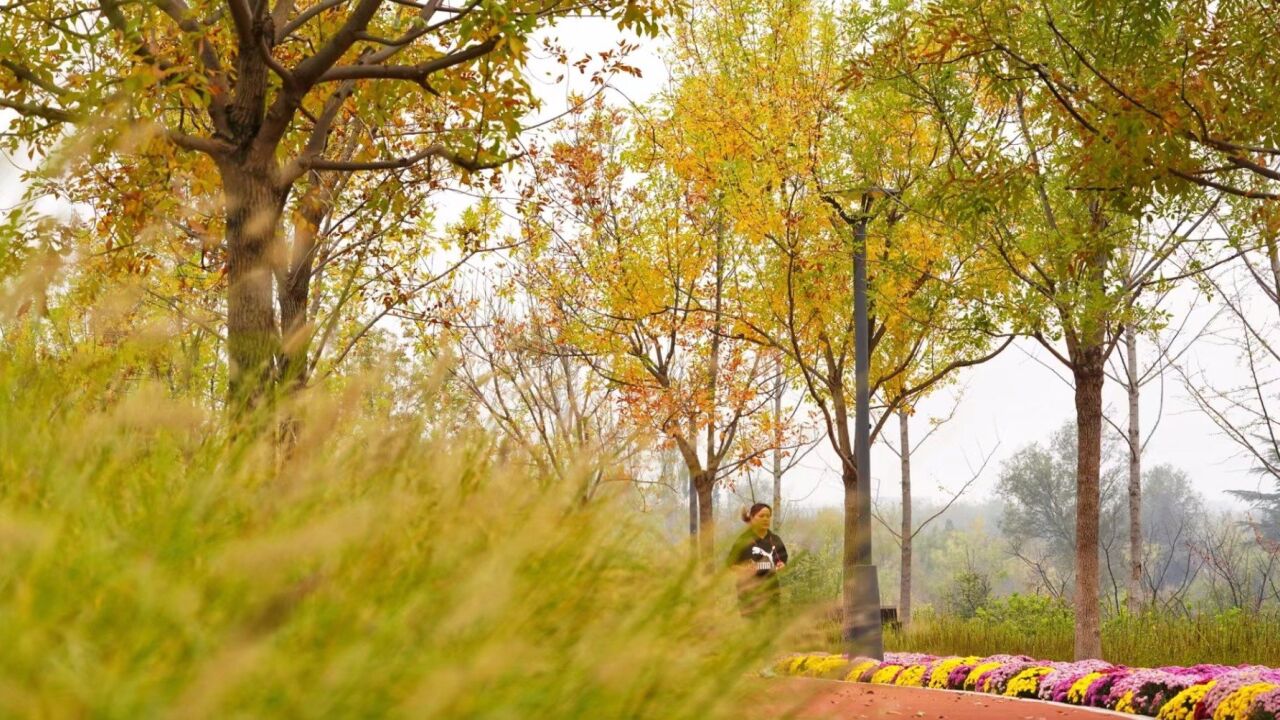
column 1183, row 705
column 886, row 674
column 913, row 676
column 824, row 666
column 1027, row 682
column 971, row 681
column 1075, row 694
column 1126, row 704
column 938, row 678
column 787, row 665
column 1236, row 706
column 856, row 671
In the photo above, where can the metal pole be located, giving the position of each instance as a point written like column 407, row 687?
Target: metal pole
column 865, row 637
column 862, row 413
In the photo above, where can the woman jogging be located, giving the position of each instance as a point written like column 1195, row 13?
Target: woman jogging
column 758, row 555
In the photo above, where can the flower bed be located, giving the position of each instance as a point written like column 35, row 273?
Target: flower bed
column 1214, row 692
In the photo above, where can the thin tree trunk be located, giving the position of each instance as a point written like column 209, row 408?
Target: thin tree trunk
column 1273, row 255
column 1089, row 376
column 1135, row 474
column 293, row 285
column 904, row 581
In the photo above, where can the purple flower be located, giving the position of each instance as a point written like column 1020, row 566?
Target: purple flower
column 909, row 659
column 1056, row 684
column 997, row 680
column 1266, row 706
column 956, row 678
column 1230, row 681
column 1152, row 688
column 1099, row 692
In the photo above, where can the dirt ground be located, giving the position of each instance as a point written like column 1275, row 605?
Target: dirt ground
column 806, row 699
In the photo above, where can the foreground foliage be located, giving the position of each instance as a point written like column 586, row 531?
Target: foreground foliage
column 152, row 566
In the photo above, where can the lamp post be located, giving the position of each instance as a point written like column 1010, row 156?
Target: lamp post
column 861, row 597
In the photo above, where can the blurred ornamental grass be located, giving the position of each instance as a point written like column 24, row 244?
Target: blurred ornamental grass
column 153, row 565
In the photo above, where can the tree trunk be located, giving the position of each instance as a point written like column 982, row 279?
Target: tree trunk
column 849, row 555
column 1089, row 375
column 253, row 207
column 293, row 287
column 1135, row 474
column 1273, row 256
column 843, row 445
column 693, row 510
column 704, row 484
column 904, row 582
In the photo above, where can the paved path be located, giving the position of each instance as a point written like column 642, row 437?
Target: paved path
column 807, row 699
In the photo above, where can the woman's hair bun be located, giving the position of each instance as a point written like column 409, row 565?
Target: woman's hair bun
column 754, row 510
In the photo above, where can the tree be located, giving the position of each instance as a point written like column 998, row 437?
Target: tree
column 1243, row 410
column 970, row 591
column 1132, row 377
column 780, row 124
column 1048, row 206
column 1172, row 92
column 641, row 278
column 262, row 100
column 1039, row 520
column 1172, row 519
column 537, row 393
column 908, row 529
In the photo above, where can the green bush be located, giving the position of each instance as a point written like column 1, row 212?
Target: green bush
column 811, row 579
column 151, row 566
column 1028, row 614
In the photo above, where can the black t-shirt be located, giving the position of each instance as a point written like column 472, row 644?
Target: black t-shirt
column 764, row 552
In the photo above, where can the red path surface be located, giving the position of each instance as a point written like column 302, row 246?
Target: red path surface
column 806, row 699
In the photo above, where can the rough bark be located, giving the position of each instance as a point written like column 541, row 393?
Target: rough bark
column 849, row 556
column 1135, row 473
column 693, row 512
column 1089, row 372
column 843, row 443
column 704, row 484
column 253, row 205
column 904, row 580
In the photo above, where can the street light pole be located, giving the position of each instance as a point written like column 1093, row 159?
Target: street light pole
column 862, row 411
column 863, row 633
